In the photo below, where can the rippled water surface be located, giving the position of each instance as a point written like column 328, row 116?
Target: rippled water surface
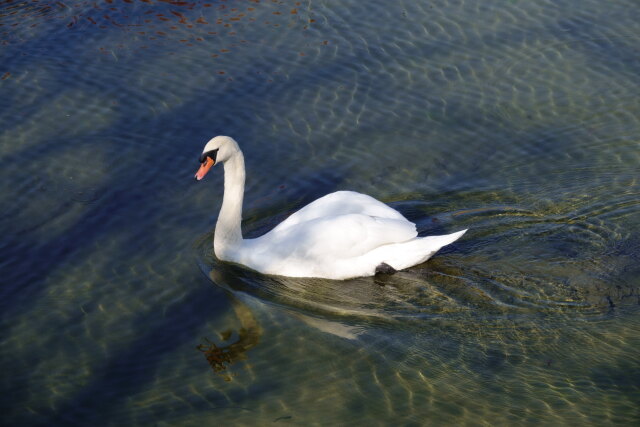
column 519, row 120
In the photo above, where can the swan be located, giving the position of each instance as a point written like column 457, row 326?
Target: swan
column 340, row 236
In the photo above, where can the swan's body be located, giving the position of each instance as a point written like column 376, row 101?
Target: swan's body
column 339, row 236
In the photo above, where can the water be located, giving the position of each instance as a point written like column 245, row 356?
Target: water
column 518, row 120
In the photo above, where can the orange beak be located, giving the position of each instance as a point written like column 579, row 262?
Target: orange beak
column 204, row 168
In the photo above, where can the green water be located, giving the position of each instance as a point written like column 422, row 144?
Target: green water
column 519, row 120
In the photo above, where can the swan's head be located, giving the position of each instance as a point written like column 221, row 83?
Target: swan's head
column 218, row 150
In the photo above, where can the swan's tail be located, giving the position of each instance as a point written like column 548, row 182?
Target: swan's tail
column 419, row 250
column 444, row 240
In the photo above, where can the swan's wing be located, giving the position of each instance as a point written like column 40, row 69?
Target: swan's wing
column 331, row 238
column 340, row 203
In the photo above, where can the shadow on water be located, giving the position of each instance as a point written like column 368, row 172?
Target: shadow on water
column 114, row 212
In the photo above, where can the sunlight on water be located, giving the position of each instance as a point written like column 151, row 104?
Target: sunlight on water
column 518, row 120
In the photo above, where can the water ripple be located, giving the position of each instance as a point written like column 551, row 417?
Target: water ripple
column 460, row 286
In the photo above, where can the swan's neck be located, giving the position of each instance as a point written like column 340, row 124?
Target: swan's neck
column 228, row 234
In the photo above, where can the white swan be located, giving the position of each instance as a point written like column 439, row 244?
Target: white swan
column 339, row 236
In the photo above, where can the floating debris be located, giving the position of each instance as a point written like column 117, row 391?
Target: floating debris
column 221, row 357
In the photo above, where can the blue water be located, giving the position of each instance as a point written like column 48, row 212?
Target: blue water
column 518, row 120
